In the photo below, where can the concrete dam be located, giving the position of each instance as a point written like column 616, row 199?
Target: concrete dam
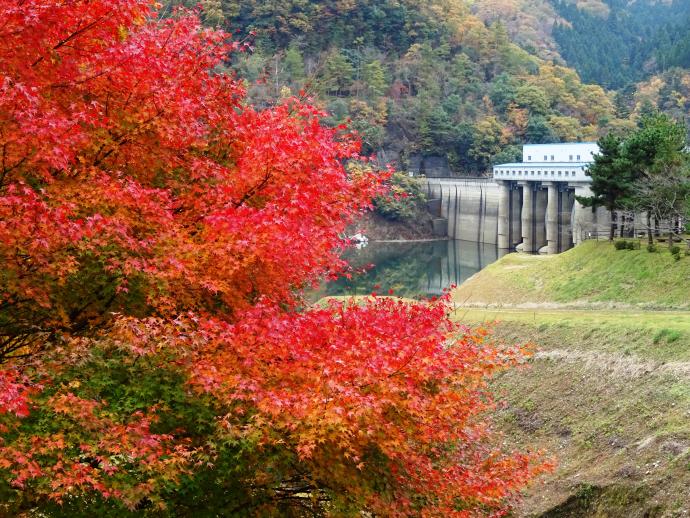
column 528, row 215
column 530, row 205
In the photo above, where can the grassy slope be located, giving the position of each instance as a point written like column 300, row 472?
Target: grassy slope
column 608, row 393
column 593, row 272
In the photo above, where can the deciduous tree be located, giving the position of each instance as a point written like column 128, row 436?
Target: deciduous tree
column 156, row 232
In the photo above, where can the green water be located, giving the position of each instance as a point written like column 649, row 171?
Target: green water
column 411, row 269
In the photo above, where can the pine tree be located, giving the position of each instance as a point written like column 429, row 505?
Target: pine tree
column 375, row 78
column 612, row 182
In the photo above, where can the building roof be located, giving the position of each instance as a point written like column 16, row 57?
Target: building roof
column 545, row 164
column 561, row 144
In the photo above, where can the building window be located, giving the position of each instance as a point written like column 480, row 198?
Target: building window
column 552, row 158
column 570, row 158
column 529, row 158
column 545, row 158
column 578, row 157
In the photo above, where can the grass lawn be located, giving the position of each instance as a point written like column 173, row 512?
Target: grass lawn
column 608, row 392
column 592, row 273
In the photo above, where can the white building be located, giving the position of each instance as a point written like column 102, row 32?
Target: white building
column 538, row 209
column 550, row 162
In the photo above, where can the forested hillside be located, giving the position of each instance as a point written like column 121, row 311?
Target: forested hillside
column 416, row 78
column 668, row 92
column 624, row 43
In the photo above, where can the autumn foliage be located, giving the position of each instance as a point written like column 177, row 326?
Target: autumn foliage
column 156, row 232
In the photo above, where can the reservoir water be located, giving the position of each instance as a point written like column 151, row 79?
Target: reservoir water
column 411, row 269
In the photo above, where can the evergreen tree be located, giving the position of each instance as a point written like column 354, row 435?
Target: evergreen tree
column 539, row 131
column 612, row 183
column 212, row 12
column 294, row 63
column 656, row 158
column 374, row 78
column 338, row 73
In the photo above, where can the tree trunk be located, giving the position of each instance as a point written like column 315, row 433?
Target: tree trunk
column 650, row 239
column 612, row 231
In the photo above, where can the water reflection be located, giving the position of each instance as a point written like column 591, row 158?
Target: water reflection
column 420, row 269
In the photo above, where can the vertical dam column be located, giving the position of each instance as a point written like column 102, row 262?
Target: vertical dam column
column 515, row 211
column 565, row 226
column 504, row 215
column 552, row 218
column 527, row 217
column 539, row 221
column 582, row 217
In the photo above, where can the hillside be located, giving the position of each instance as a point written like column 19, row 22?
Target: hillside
column 592, row 274
column 607, row 393
column 625, row 43
column 609, row 401
column 632, row 48
column 419, row 78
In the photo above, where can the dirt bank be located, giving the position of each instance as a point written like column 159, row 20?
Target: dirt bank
column 378, row 228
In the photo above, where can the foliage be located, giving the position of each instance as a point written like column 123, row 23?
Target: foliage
column 404, row 199
column 425, row 77
column 625, row 44
column 657, row 154
column 647, row 171
column 155, row 232
column 612, row 181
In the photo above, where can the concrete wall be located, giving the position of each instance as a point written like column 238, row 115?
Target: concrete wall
column 471, row 207
column 560, row 152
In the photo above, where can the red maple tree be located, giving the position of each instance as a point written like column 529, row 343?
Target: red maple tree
column 156, row 232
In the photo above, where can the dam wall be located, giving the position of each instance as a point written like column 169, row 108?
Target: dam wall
column 530, row 216
column 470, row 207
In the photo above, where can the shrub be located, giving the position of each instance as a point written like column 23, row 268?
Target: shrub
column 621, row 245
column 666, row 334
column 651, row 248
column 675, row 250
column 404, row 200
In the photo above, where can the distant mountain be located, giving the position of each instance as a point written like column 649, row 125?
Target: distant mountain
column 421, row 78
column 625, row 41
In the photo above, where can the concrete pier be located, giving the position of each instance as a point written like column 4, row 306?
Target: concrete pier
column 582, row 217
column 504, row 215
column 552, row 243
column 539, row 221
column 527, row 216
column 515, row 211
column 565, row 228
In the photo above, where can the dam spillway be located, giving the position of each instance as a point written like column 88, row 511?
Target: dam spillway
column 533, row 216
